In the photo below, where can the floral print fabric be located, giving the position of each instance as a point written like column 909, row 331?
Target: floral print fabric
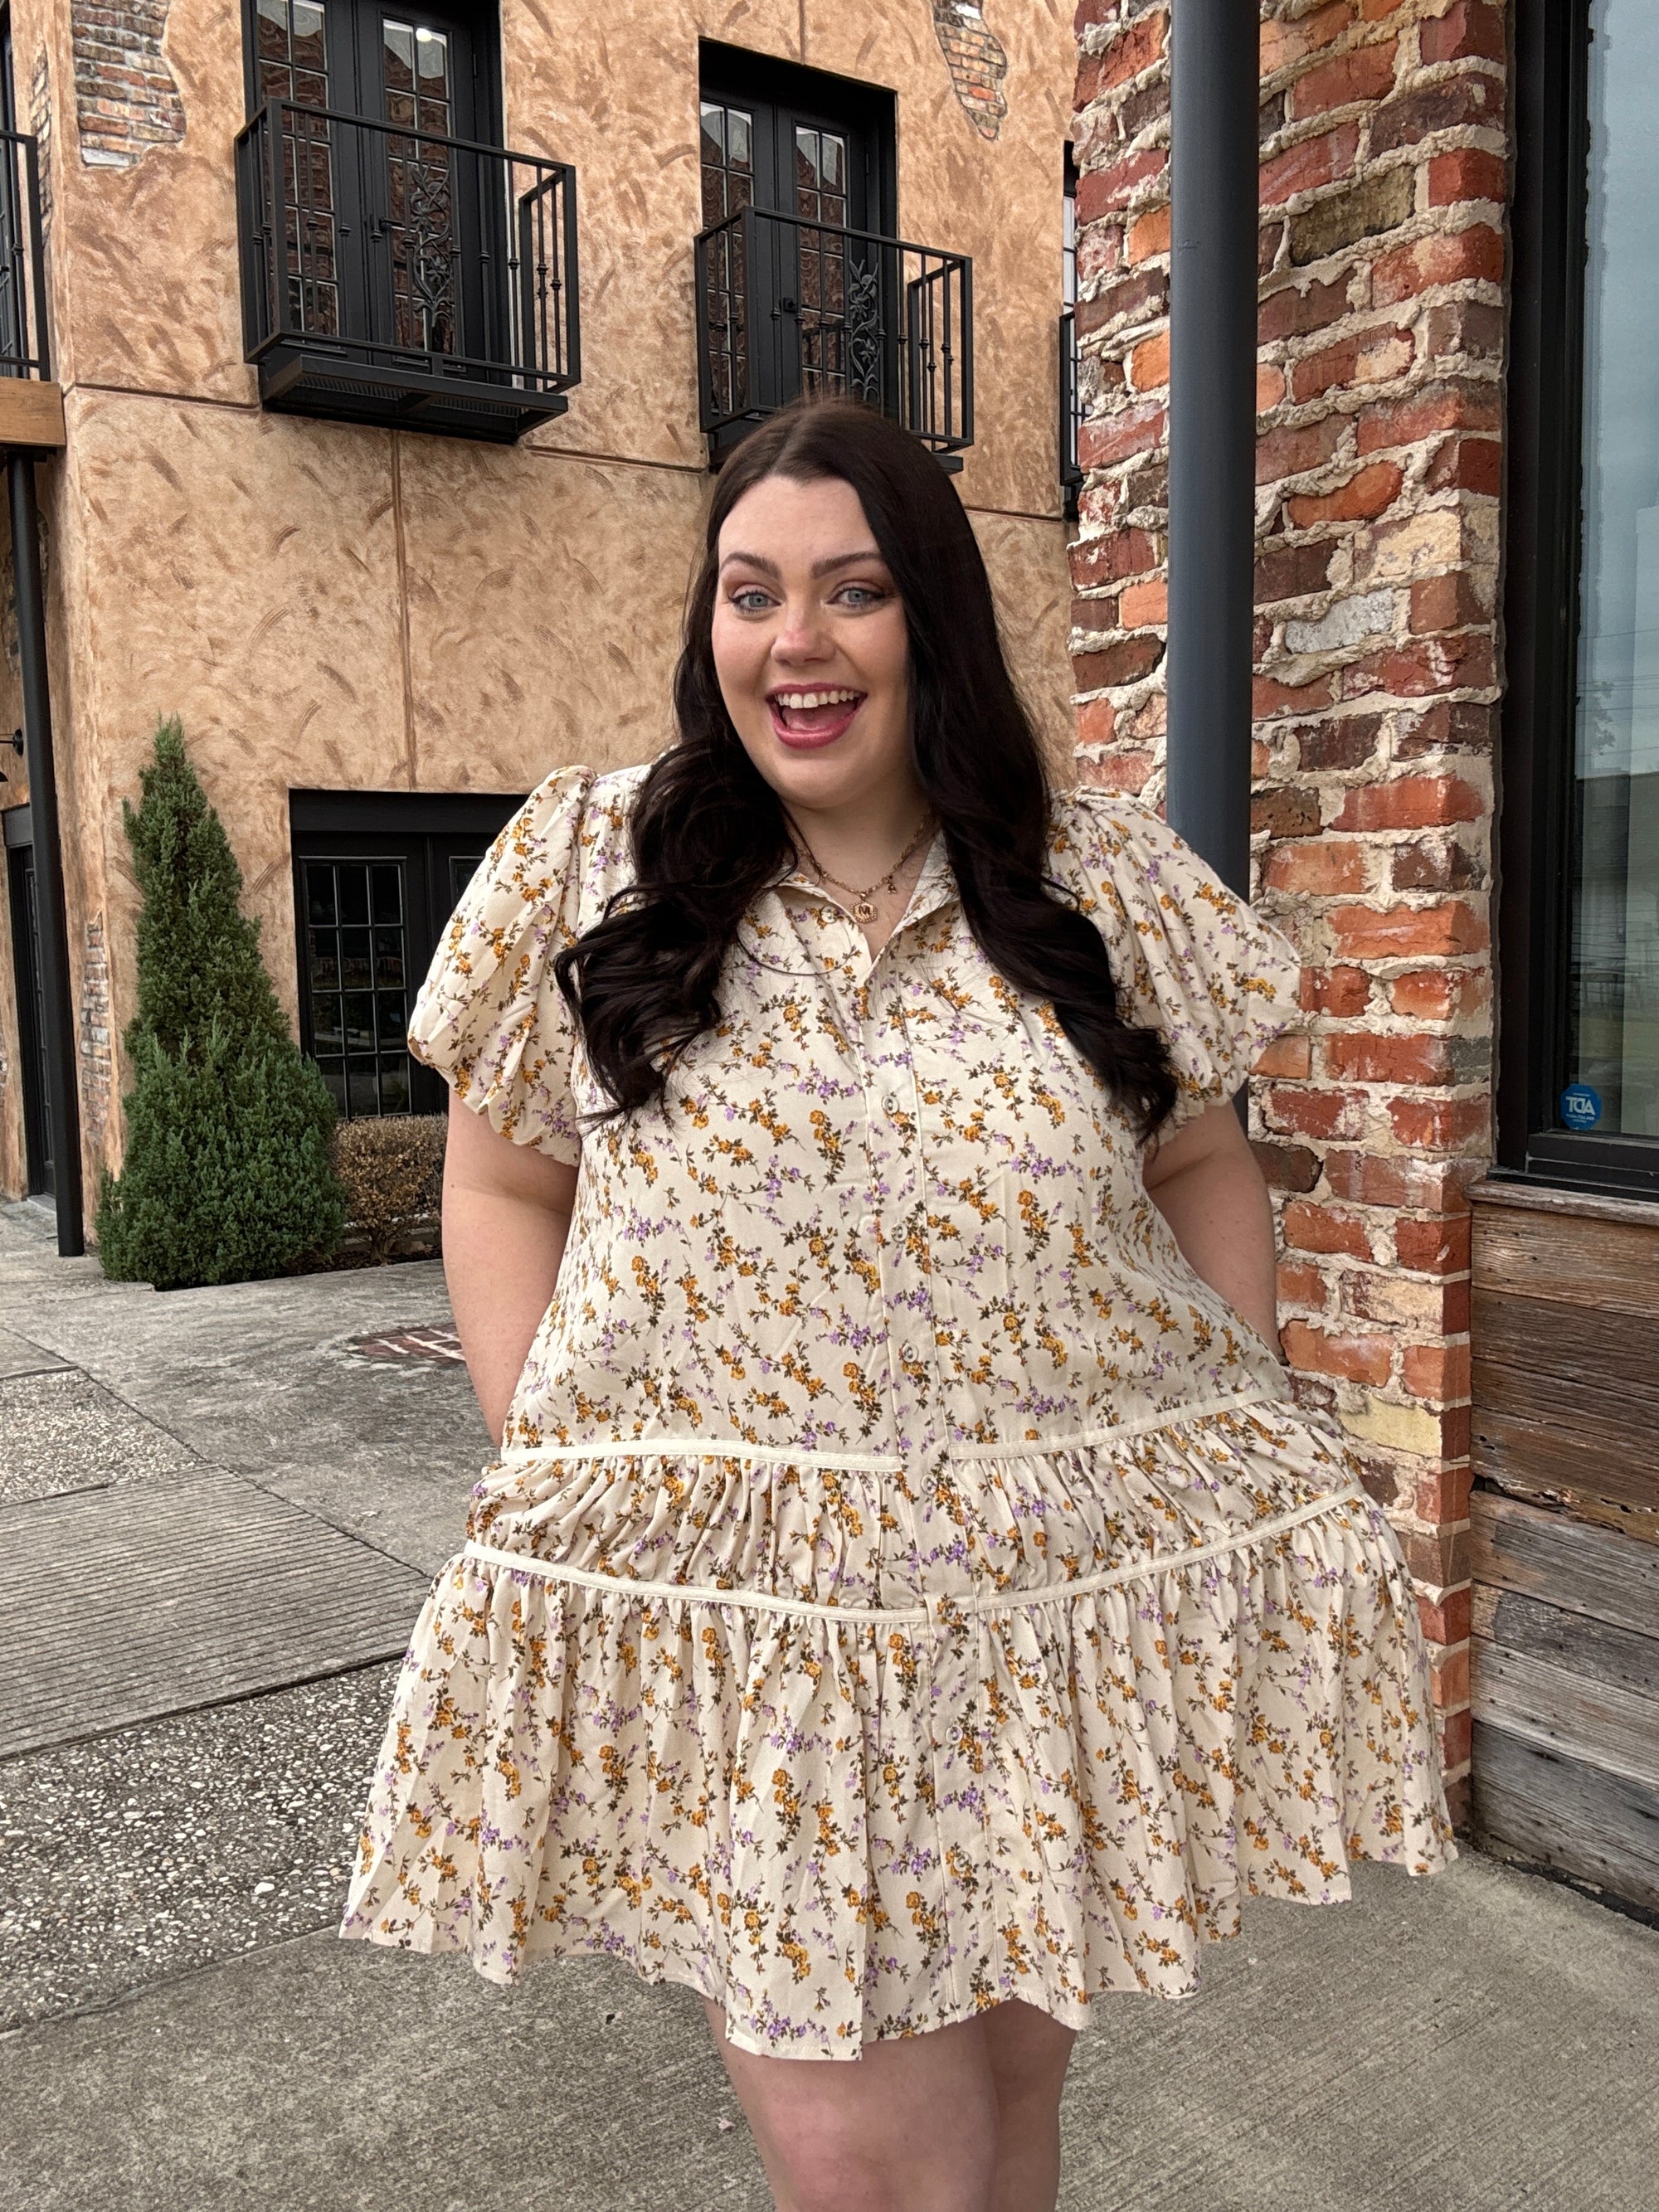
column 905, row 1585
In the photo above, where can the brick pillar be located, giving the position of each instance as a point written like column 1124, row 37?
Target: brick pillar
column 1383, row 192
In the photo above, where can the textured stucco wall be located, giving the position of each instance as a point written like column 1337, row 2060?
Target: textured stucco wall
column 332, row 606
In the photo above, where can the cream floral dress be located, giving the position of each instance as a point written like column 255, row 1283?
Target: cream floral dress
column 905, row 1584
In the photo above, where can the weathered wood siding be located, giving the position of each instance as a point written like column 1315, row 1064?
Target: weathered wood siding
column 1565, row 1329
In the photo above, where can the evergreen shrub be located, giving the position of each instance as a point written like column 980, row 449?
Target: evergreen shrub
column 228, row 1176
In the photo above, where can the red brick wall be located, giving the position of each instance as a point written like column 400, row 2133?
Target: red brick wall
column 1382, row 259
column 978, row 62
column 126, row 98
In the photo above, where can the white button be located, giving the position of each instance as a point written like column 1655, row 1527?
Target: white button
column 893, row 1103
column 907, row 1351
column 953, row 1734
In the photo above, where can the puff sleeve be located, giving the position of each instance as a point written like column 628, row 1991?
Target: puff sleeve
column 490, row 1017
column 1189, row 956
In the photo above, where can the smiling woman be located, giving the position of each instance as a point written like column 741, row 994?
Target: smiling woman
column 812, row 656
column 907, row 1603
column 911, row 625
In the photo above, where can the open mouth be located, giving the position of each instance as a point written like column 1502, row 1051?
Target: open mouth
column 805, row 718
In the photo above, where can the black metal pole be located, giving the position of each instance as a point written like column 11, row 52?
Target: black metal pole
column 63, row 1103
column 1214, row 62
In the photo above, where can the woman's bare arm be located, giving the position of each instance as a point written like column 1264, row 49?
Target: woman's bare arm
column 1206, row 1184
column 507, row 1213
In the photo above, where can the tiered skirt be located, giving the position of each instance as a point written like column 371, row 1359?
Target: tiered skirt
column 857, row 1747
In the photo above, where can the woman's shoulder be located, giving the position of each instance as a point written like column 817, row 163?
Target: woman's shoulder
column 576, row 791
column 1086, row 811
column 1098, row 837
column 575, row 824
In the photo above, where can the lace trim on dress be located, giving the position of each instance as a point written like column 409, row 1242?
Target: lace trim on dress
column 945, row 1604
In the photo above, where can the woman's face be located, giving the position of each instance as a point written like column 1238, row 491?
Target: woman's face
column 810, row 648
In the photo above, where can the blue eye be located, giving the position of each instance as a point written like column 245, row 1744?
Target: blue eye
column 751, row 600
column 862, row 595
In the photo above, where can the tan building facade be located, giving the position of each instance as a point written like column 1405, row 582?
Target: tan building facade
column 337, row 607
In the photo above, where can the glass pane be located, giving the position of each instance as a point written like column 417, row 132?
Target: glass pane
column 394, row 1085
column 432, row 61
column 308, row 37
column 1613, row 987
column 325, row 971
column 353, row 959
column 363, row 1090
column 333, row 1075
column 714, row 134
column 389, row 893
column 325, row 1024
column 320, row 892
column 271, row 30
column 360, row 1021
column 394, row 1026
column 388, row 960
column 354, row 892
column 739, row 131
column 463, row 866
column 398, row 59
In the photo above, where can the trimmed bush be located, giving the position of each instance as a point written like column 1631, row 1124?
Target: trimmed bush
column 392, row 1170
column 226, row 1175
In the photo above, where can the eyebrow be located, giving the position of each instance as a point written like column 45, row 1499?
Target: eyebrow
column 869, row 553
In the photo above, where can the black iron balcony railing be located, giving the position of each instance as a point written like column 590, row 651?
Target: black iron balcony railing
column 393, row 276
column 786, row 307
column 24, row 350
column 1071, row 416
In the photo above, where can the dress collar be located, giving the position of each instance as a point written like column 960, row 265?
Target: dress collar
column 933, row 888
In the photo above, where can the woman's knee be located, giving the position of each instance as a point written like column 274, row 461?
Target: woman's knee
column 828, row 2162
column 1028, row 2051
column 910, row 2127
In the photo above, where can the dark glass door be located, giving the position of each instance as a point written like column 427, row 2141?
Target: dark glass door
column 29, row 979
column 376, row 878
column 806, row 316
column 384, row 224
column 422, row 200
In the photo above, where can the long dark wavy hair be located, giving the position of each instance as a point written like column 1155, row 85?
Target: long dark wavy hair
column 709, row 830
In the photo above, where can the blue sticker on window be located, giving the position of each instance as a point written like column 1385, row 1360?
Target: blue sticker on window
column 1581, row 1107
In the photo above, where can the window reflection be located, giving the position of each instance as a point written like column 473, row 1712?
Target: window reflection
column 356, row 977
column 1614, row 985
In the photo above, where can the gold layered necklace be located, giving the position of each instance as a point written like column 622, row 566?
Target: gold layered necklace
column 864, row 905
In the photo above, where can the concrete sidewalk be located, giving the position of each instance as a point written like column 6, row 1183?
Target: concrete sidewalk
column 181, row 2029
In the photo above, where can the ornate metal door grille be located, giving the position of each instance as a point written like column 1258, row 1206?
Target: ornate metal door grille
column 421, row 221
column 838, row 310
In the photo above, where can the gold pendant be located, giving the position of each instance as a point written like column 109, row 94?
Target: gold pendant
column 865, row 911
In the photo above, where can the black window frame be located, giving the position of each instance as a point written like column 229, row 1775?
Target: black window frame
column 1543, row 553
column 736, row 73
column 376, row 827
column 347, row 92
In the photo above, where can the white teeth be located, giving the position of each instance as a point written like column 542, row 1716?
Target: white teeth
column 798, row 700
